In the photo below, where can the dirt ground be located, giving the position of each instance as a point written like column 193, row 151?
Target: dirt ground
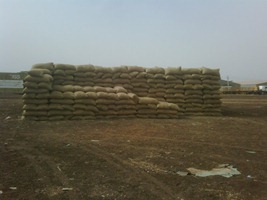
column 135, row 158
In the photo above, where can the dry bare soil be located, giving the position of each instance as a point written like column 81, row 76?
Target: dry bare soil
column 135, row 158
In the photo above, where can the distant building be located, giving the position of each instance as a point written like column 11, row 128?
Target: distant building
column 12, row 80
column 229, row 85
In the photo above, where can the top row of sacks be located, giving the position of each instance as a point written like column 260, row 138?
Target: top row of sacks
column 128, row 69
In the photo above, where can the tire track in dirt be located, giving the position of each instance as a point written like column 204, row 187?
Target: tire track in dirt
column 159, row 188
column 39, row 160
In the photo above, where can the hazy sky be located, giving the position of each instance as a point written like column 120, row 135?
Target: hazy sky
column 226, row 34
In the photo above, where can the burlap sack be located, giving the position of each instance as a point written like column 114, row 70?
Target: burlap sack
column 65, row 67
column 85, row 68
column 49, row 66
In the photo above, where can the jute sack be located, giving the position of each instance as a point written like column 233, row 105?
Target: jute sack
column 79, row 75
column 146, row 106
column 135, row 69
column 166, row 111
column 121, row 81
column 77, row 88
column 155, row 70
column 126, row 112
column 59, row 72
column 59, row 112
column 44, row 78
column 45, row 85
column 120, row 89
column 42, row 96
column 147, row 100
column 105, row 95
column 88, row 89
column 62, row 101
column 124, row 102
column 191, row 70
column 63, row 88
column 49, row 66
column 92, row 108
column 211, row 96
column 30, row 85
column 105, row 101
column 39, row 72
column 80, row 95
column 168, row 106
column 83, row 113
column 99, row 89
column 85, row 101
column 85, row 68
column 120, row 69
column 34, row 113
column 133, row 74
column 65, row 67
column 35, row 101
column 35, row 91
column 173, row 71
column 99, row 69
column 207, row 71
column 192, row 81
column 29, row 96
column 68, row 95
column 147, row 111
column 79, row 106
column 91, row 95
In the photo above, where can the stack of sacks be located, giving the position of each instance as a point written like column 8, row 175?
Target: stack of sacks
column 138, row 80
column 64, row 74
column 121, row 77
column 115, row 102
column 193, row 91
column 147, row 107
column 211, row 93
column 174, row 87
column 61, row 102
column 37, row 87
column 167, row 110
column 84, row 75
column 156, row 83
column 103, row 76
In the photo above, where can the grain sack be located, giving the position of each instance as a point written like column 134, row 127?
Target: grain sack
column 78, row 75
column 124, row 102
column 135, row 69
column 211, row 87
column 147, row 100
column 99, row 69
column 79, row 106
column 80, row 95
column 34, row 113
column 133, row 74
column 86, row 101
column 121, row 81
column 125, row 76
column 44, row 78
column 167, row 111
column 126, row 112
column 211, row 77
column 193, row 92
column 59, row 72
column 90, row 75
column 192, row 81
column 211, row 96
column 45, row 85
column 146, row 106
column 210, row 82
column 28, row 96
column 30, row 85
column 35, row 91
column 88, row 89
column 166, row 105
column 91, row 95
column 59, row 112
column 63, row 88
column 207, row 71
column 83, row 113
column 120, row 89
column 120, row 69
column 62, row 101
column 123, row 96
column 42, row 96
column 173, row 71
column 105, row 101
column 155, row 70
column 125, row 107
column 147, row 111
column 91, row 108
column 85, row 68
column 49, row 66
column 39, row 72
column 64, row 67
column 191, row 71
column 103, row 80
column 192, row 76
column 35, row 101
column 105, row 95
column 99, row 89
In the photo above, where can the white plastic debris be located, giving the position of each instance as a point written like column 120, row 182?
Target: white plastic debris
column 12, row 188
column 224, row 170
column 67, row 189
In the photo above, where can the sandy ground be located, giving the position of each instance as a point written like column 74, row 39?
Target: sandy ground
column 135, row 158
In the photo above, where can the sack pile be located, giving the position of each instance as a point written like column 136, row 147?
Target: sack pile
column 60, row 91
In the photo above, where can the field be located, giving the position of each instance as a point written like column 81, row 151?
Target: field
column 135, row 158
